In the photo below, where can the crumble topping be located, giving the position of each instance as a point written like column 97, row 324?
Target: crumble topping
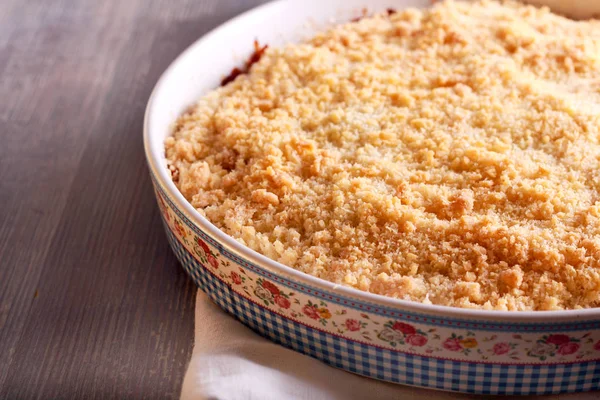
column 447, row 156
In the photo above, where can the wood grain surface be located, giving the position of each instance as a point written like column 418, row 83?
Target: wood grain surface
column 93, row 304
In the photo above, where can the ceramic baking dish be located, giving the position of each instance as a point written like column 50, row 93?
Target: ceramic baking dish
column 388, row 339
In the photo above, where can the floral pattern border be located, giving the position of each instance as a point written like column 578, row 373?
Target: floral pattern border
column 381, row 331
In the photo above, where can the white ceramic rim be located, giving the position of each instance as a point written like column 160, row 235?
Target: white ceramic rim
column 155, row 156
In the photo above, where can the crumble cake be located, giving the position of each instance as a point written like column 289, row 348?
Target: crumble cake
column 447, row 156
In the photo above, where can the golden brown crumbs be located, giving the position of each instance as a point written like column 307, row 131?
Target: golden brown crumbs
column 448, row 155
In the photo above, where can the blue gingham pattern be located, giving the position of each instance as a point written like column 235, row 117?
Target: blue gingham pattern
column 389, row 365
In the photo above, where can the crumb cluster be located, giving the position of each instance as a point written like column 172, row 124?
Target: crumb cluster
column 447, row 156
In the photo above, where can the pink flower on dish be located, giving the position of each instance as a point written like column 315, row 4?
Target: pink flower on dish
column 404, row 328
column 270, row 287
column 558, row 339
column 212, row 261
column 416, row 340
column 568, row 348
column 452, row 344
column 203, row 245
column 311, row 312
column 281, row 301
column 501, row 348
column 235, row 277
column 352, row 325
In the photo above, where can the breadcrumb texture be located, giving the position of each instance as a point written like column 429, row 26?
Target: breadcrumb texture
column 447, row 156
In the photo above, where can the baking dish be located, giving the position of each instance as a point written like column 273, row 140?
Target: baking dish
column 474, row 351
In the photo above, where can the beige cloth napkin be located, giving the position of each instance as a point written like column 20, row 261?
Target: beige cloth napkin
column 231, row 362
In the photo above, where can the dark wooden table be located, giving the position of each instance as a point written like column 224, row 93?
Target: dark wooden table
column 93, row 304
